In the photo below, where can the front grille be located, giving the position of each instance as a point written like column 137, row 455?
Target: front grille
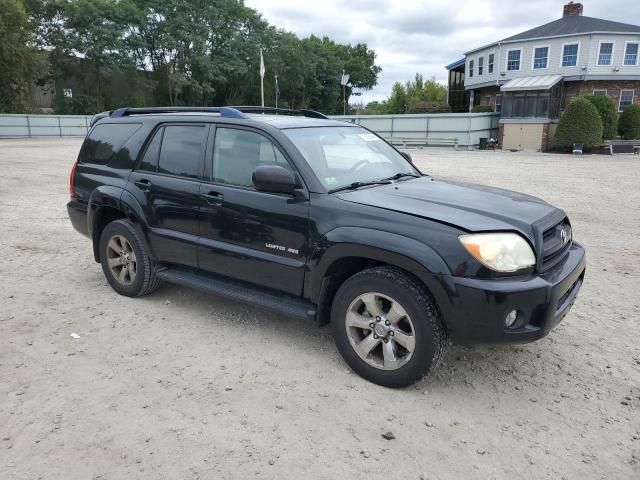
column 555, row 243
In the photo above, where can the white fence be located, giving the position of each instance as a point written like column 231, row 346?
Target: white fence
column 433, row 129
column 462, row 129
column 16, row 126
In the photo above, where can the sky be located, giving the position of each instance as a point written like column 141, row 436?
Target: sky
column 424, row 35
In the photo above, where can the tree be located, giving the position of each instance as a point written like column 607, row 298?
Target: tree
column 20, row 64
column 398, row 101
column 580, row 123
column 429, row 107
column 629, row 123
column 608, row 115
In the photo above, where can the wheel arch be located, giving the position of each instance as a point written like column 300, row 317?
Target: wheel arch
column 350, row 250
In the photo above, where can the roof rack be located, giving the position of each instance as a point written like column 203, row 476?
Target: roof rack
column 228, row 112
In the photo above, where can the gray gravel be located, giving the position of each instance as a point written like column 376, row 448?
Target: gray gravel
column 182, row 385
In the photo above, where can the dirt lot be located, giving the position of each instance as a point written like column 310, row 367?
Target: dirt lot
column 181, row 385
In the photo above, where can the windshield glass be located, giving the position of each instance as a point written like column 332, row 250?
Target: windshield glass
column 340, row 156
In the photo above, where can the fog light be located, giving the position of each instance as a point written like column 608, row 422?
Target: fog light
column 511, row 318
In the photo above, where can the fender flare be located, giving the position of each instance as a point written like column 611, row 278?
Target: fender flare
column 406, row 253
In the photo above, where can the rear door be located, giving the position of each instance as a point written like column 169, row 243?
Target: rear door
column 166, row 183
column 253, row 236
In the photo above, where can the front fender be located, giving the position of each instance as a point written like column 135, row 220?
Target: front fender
column 390, row 248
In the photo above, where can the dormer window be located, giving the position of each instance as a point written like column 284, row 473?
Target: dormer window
column 605, row 53
column 540, row 57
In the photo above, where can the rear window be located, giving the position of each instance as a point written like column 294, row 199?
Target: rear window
column 105, row 140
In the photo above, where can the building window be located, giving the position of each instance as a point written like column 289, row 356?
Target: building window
column 498, row 108
column 605, row 55
column 600, row 92
column 626, row 99
column 487, row 100
column 570, row 55
column 513, row 60
column 631, row 54
column 540, row 57
column 480, row 65
column 491, row 57
column 470, row 68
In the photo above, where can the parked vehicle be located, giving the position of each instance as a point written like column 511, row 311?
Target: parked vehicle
column 321, row 219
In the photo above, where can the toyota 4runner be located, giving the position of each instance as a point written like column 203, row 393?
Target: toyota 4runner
column 324, row 220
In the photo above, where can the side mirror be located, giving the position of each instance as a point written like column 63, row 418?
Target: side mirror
column 407, row 157
column 273, row 179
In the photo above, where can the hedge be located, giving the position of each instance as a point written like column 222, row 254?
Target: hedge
column 580, row 123
column 429, row 107
column 629, row 123
column 608, row 114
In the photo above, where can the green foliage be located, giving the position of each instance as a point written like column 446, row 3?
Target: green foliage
column 608, row 115
column 430, row 107
column 193, row 52
column 580, row 123
column 20, row 63
column 629, row 124
column 481, row 109
column 415, row 96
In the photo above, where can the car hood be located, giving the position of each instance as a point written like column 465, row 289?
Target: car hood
column 475, row 208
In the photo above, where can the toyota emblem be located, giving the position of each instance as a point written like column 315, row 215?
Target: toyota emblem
column 564, row 236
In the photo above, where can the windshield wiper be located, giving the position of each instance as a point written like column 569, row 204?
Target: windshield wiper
column 354, row 185
column 398, row 176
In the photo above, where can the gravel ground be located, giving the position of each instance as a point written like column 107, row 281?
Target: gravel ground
column 182, row 385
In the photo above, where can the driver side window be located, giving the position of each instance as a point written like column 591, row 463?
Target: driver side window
column 237, row 153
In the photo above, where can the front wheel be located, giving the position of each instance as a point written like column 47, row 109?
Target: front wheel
column 387, row 327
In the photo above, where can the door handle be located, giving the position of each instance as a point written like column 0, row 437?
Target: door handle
column 213, row 198
column 144, row 185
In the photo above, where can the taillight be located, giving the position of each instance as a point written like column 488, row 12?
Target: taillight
column 71, row 178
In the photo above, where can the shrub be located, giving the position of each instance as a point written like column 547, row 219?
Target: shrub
column 608, row 115
column 629, row 123
column 481, row 109
column 429, row 107
column 580, row 123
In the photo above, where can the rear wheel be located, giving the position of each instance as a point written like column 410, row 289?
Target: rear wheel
column 127, row 266
column 387, row 327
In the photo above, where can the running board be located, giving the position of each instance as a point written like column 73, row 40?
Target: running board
column 282, row 303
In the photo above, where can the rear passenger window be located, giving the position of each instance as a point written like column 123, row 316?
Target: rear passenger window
column 104, row 141
column 181, row 150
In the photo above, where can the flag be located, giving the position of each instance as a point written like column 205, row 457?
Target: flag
column 344, row 79
column 277, row 87
column 262, row 69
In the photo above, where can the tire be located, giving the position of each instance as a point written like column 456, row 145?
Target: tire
column 392, row 292
column 139, row 276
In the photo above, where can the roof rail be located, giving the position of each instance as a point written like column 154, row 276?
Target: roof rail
column 229, row 112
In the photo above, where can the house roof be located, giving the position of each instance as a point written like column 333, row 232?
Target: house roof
column 575, row 24
column 570, row 25
column 456, row 64
column 538, row 82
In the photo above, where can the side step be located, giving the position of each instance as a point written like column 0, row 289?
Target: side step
column 282, row 303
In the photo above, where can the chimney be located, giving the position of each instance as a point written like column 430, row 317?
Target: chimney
column 572, row 10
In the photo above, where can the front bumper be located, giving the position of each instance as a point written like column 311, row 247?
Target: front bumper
column 478, row 307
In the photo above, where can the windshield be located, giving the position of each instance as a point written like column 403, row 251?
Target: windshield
column 341, row 156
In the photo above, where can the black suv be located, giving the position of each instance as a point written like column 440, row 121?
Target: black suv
column 324, row 220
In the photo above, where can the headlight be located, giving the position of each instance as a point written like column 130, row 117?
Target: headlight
column 502, row 252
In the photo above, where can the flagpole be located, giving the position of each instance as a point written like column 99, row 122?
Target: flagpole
column 277, row 94
column 262, row 78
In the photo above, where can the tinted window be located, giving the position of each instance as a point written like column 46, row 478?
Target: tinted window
column 238, row 152
column 181, row 151
column 150, row 160
column 105, row 140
